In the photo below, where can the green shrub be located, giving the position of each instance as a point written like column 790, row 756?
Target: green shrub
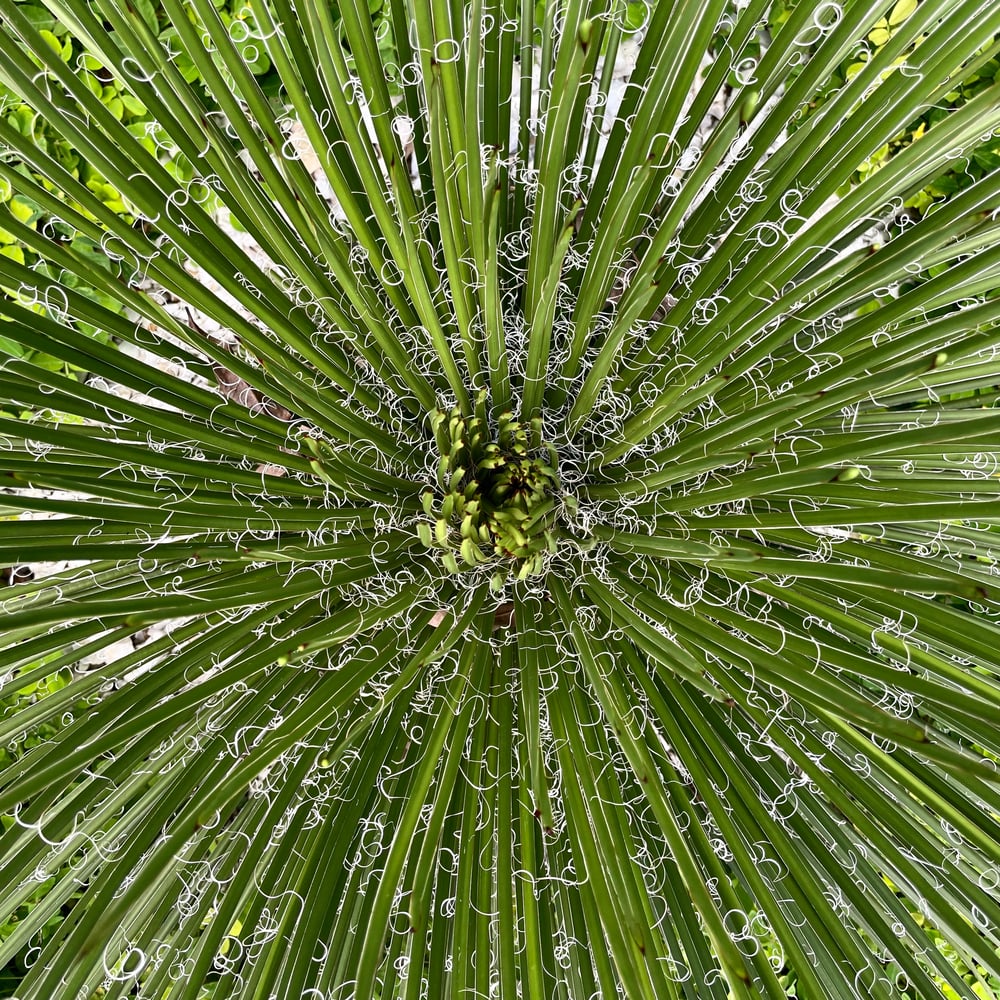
column 571, row 572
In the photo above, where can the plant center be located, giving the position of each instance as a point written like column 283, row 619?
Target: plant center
column 495, row 500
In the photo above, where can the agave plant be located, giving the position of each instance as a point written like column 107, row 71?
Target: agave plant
column 560, row 580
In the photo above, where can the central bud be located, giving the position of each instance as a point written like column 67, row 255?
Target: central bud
column 495, row 502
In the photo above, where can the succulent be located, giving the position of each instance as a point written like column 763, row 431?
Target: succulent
column 530, row 536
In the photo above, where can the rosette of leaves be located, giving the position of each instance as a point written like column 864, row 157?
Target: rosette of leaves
column 747, row 689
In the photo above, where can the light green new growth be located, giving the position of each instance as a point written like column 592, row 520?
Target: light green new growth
column 495, row 498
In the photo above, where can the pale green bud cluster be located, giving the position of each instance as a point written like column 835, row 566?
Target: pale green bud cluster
column 495, row 502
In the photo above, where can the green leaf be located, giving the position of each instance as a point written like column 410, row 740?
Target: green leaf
column 147, row 11
column 901, row 11
column 24, row 210
column 132, row 104
column 40, row 18
column 14, row 252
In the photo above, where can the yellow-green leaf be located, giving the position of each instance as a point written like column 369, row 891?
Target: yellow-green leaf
column 902, row 10
column 21, row 210
column 879, row 36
